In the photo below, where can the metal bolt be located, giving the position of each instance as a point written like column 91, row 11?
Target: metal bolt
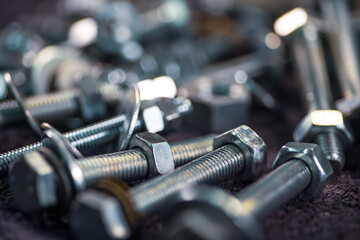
column 238, row 151
column 298, row 168
column 53, row 106
column 130, row 165
column 323, row 125
column 93, row 136
column 345, row 51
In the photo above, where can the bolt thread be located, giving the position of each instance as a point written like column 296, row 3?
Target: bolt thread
column 51, row 107
column 85, row 139
column 127, row 165
column 185, row 151
column 132, row 164
column 343, row 45
column 213, row 167
column 333, row 148
column 275, row 188
column 47, row 107
column 312, row 70
column 311, row 64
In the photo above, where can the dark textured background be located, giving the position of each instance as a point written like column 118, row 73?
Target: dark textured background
column 335, row 215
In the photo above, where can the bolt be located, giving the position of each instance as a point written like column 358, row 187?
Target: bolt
column 240, row 150
column 151, row 155
column 322, row 125
column 345, row 51
column 299, row 168
column 53, row 106
column 94, row 136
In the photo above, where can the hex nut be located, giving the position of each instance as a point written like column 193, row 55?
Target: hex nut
column 96, row 215
column 153, row 119
column 209, row 213
column 251, row 145
column 320, row 121
column 314, row 158
column 33, row 183
column 157, row 151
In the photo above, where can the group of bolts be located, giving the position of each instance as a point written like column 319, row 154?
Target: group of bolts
column 112, row 175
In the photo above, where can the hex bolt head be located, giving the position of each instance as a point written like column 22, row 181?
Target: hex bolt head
column 157, row 151
column 252, row 146
column 33, row 183
column 314, row 158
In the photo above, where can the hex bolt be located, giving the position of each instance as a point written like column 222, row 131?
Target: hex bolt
column 345, row 51
column 237, row 152
column 94, row 136
column 151, row 156
column 299, row 168
column 53, row 106
column 323, row 124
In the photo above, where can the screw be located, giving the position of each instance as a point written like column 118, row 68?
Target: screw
column 298, row 168
column 93, row 136
column 136, row 164
column 238, row 151
column 323, row 125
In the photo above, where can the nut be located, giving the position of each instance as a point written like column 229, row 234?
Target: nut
column 218, row 108
column 153, row 119
column 314, row 158
column 157, row 151
column 97, row 216
column 252, row 146
column 32, row 182
column 320, row 121
column 209, row 213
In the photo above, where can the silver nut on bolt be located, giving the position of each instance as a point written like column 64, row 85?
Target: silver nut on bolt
column 319, row 121
column 157, row 151
column 37, row 188
column 99, row 212
column 314, row 158
column 252, row 146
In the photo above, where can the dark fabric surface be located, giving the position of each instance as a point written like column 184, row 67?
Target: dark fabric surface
column 335, row 215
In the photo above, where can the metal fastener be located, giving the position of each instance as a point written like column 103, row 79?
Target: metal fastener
column 323, row 124
column 151, row 155
column 345, row 51
column 97, row 135
column 238, row 152
column 299, row 168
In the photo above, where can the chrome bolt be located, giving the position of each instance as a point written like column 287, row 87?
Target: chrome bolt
column 157, row 157
column 299, row 168
column 94, row 136
column 53, row 107
column 323, row 124
column 238, row 152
